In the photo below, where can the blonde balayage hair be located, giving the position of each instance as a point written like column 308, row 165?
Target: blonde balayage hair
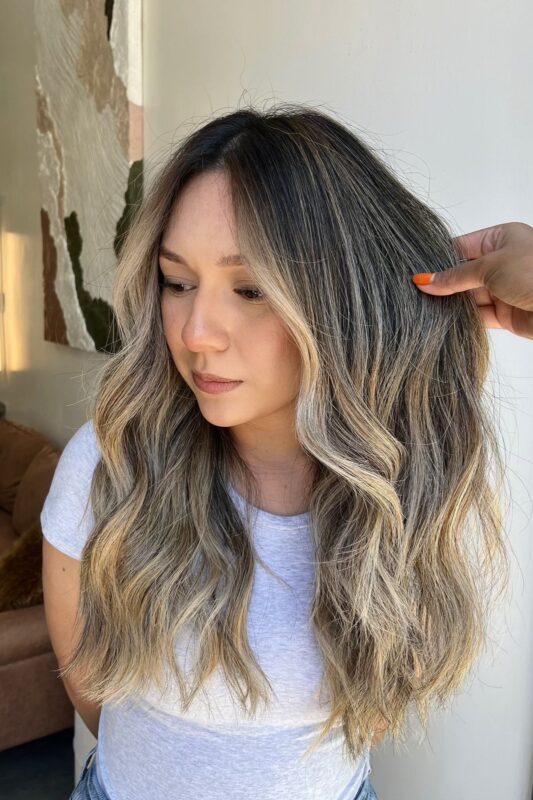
column 392, row 410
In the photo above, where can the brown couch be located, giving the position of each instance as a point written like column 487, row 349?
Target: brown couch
column 33, row 700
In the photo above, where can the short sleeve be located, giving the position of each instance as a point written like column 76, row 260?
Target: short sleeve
column 66, row 516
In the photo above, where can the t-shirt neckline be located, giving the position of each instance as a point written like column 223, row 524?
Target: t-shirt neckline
column 273, row 520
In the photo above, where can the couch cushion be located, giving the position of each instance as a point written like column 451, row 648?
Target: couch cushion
column 8, row 536
column 23, row 634
column 18, row 446
column 21, row 583
column 33, row 488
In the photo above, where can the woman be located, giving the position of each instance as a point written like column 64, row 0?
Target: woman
column 274, row 568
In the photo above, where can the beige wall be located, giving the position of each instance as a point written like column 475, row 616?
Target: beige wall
column 45, row 385
column 444, row 91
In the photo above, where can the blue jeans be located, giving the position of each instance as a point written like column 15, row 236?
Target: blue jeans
column 367, row 791
column 90, row 788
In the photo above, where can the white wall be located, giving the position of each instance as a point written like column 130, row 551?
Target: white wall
column 443, row 89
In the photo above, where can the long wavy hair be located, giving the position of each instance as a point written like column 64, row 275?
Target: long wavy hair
column 405, row 506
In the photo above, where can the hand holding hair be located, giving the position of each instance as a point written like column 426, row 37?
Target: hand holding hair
column 497, row 270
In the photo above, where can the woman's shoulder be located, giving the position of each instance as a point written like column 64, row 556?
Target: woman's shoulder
column 66, row 516
column 82, row 447
column 85, row 437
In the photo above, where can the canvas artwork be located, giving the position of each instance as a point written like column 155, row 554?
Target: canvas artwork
column 88, row 82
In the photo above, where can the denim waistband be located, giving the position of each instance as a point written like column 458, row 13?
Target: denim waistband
column 89, row 787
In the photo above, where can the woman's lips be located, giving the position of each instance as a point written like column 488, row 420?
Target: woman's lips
column 214, row 387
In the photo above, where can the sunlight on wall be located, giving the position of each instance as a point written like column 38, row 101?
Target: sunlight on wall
column 14, row 344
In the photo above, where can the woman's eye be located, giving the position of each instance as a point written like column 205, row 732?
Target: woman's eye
column 173, row 287
column 253, row 290
column 176, row 288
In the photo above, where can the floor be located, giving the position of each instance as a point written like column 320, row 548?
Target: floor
column 39, row 770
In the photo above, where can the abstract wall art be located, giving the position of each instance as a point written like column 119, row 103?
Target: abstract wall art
column 88, row 83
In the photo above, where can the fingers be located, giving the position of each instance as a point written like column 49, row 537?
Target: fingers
column 477, row 243
column 482, row 296
column 469, row 275
column 488, row 314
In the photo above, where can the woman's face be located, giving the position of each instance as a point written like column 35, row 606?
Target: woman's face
column 214, row 326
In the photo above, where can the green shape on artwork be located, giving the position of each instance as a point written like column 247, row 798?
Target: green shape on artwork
column 133, row 197
column 99, row 315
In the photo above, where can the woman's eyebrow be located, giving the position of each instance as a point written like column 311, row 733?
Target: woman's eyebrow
column 234, row 260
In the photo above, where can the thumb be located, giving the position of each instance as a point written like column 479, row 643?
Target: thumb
column 459, row 278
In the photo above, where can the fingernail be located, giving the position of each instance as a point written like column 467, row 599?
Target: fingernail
column 422, row 278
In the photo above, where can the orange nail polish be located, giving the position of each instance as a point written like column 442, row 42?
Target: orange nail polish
column 422, row 278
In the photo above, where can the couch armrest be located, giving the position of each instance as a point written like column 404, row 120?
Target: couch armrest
column 23, row 634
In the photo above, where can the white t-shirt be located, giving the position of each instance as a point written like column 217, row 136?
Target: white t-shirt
column 148, row 748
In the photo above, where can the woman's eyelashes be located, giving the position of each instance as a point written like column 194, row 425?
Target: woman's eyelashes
column 175, row 288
